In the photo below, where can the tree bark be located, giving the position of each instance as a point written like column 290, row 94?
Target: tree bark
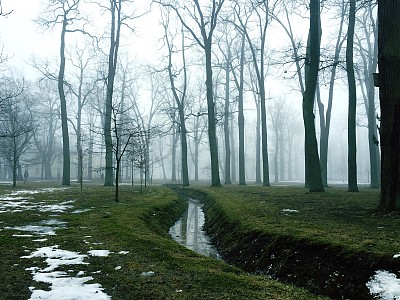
column 212, row 136
column 63, row 105
column 226, row 120
column 112, row 67
column 351, row 134
column 313, row 169
column 242, row 170
column 389, row 94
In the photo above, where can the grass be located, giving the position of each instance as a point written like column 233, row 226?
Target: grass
column 336, row 217
column 331, row 243
column 139, row 224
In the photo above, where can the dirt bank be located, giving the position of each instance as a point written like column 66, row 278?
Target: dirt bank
column 330, row 270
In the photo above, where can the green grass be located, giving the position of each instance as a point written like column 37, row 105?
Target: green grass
column 330, row 243
column 139, row 224
column 336, row 217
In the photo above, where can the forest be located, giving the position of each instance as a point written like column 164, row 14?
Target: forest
column 229, row 91
column 275, row 123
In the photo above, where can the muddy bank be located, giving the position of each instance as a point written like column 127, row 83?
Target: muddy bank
column 325, row 269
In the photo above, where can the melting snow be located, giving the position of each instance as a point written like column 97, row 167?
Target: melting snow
column 287, row 210
column 40, row 229
column 62, row 286
column 101, row 253
column 384, row 286
column 123, row 252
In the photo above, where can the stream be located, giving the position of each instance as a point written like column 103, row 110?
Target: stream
column 188, row 231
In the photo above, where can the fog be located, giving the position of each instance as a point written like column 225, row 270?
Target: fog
column 144, row 106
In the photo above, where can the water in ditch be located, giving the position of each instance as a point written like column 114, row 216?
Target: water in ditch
column 188, row 231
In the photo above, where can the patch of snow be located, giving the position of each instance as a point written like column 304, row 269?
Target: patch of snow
column 384, row 286
column 101, row 253
column 79, row 211
column 54, row 222
column 123, row 252
column 62, row 286
column 396, row 255
column 35, row 229
column 22, row 235
column 147, row 274
column 287, row 210
column 59, row 208
column 39, row 240
column 117, row 268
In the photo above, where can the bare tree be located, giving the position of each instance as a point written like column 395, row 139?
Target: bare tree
column 47, row 115
column 16, row 128
column 84, row 89
column 367, row 46
column 261, row 10
column 65, row 13
column 203, row 35
column 179, row 94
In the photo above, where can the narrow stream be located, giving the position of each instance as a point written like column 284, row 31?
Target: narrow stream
column 188, row 231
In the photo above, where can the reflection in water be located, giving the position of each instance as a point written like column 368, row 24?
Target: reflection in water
column 188, row 231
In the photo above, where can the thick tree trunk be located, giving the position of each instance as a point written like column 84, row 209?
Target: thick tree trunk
column 351, row 135
column 389, row 93
column 313, row 170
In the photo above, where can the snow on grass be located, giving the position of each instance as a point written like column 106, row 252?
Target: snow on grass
column 79, row 211
column 16, row 203
column 32, row 192
column 101, row 253
column 35, row 229
column 62, row 286
column 384, row 286
column 53, row 224
column 287, row 210
column 123, row 252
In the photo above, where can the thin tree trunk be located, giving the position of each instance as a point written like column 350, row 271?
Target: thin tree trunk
column 63, row 105
column 226, row 121
column 242, row 169
column 352, row 142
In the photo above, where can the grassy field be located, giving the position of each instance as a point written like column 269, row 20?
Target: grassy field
column 336, row 217
column 150, row 266
column 332, row 242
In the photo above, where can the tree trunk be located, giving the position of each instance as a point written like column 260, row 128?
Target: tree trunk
column 112, row 67
column 313, row 170
column 212, row 137
column 233, row 151
column 242, row 170
column 90, row 154
column 63, row 105
column 226, row 122
column 351, row 135
column 389, row 94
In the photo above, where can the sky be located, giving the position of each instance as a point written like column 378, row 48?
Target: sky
column 22, row 38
